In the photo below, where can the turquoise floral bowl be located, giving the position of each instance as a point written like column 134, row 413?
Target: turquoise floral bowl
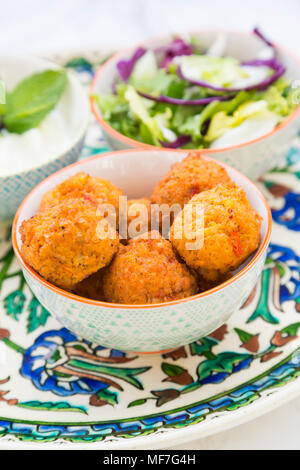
column 143, row 328
column 74, row 109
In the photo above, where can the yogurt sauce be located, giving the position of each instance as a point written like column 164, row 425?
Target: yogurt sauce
column 22, row 152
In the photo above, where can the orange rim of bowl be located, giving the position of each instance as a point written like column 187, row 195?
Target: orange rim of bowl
column 100, row 303
column 143, row 146
column 149, row 353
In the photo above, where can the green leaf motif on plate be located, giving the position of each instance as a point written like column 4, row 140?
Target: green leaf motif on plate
column 38, row 315
column 176, row 374
column 104, row 397
column 14, row 304
column 171, row 369
column 243, row 335
column 202, row 346
column 291, row 330
column 52, row 406
column 78, row 62
column 262, row 310
column 141, row 401
column 224, row 362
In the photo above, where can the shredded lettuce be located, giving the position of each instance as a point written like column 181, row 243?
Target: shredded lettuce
column 154, row 85
column 163, row 121
column 139, row 110
column 220, row 71
column 145, row 68
column 156, row 104
column 221, row 122
column 111, row 105
column 193, row 124
column 252, row 128
column 125, row 67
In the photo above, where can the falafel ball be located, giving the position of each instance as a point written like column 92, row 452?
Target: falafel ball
column 91, row 287
column 67, row 242
column 186, row 178
column 138, row 216
column 147, row 271
column 83, row 186
column 229, row 230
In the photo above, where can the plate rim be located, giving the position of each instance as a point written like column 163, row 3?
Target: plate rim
column 270, row 401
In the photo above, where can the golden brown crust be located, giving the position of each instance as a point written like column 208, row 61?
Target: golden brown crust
column 147, row 271
column 83, row 186
column 231, row 231
column 186, row 178
column 62, row 243
column 138, row 215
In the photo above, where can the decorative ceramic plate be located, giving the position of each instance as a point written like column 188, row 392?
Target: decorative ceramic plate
column 109, row 399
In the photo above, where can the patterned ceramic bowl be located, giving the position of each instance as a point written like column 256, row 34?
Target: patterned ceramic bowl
column 74, row 109
column 252, row 158
column 145, row 328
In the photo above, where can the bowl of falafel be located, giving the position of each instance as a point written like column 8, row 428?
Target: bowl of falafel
column 143, row 250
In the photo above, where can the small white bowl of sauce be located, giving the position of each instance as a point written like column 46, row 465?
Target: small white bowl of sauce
column 28, row 158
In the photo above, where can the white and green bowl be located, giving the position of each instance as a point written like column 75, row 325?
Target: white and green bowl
column 73, row 108
column 143, row 328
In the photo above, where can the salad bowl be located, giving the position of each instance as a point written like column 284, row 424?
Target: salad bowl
column 151, row 327
column 32, row 163
column 253, row 151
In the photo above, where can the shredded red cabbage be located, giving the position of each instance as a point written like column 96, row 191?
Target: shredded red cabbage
column 177, row 48
column 274, row 64
column 170, row 100
column 125, row 67
column 278, row 68
column 261, row 36
column 179, row 142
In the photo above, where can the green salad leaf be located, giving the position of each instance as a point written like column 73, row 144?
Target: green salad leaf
column 162, row 73
column 33, row 99
column 145, row 68
column 222, row 122
column 138, row 108
column 2, row 109
column 193, row 124
column 221, row 71
column 111, row 105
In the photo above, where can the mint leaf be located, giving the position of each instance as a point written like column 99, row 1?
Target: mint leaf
column 32, row 99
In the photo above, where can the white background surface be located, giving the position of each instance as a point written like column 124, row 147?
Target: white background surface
column 39, row 26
